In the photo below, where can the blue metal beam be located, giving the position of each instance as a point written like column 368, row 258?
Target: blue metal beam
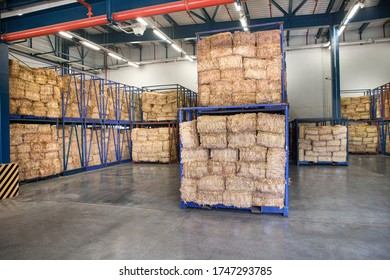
column 70, row 12
column 290, row 22
column 246, row 10
column 169, row 19
column 299, row 6
column 4, row 106
column 215, row 13
column 278, row 7
column 335, row 62
column 330, row 6
column 362, row 28
column 198, row 16
column 319, row 33
column 206, row 15
column 290, row 4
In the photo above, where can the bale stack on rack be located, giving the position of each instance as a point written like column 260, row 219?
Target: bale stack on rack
column 355, row 108
column 35, row 147
column 154, row 144
column 237, row 160
column 241, row 69
column 34, row 91
column 362, row 138
column 322, row 144
column 159, row 106
column 70, row 141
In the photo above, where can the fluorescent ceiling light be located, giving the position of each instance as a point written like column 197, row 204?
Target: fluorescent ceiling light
column 142, row 21
column 65, row 34
column 238, row 6
column 159, row 34
column 246, row 29
column 132, row 64
column 188, row 58
column 326, row 44
column 91, row 46
column 341, row 30
column 243, row 22
column 20, row 15
column 176, row 47
column 353, row 11
column 115, row 56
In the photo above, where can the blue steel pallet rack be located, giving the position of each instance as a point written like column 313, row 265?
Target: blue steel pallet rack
column 173, row 140
column 188, row 113
column 385, row 138
column 317, row 122
column 88, row 88
column 380, row 102
column 184, row 96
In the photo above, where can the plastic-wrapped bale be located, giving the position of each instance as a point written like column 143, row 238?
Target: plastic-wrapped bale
column 244, row 44
column 356, row 108
column 225, row 155
column 212, row 124
column 159, row 106
column 244, row 92
column 210, row 76
column 267, row 199
column 220, row 93
column 363, row 138
column 269, row 91
column 221, row 45
column 267, row 37
column 221, row 168
column 204, row 95
column 237, row 199
column 241, row 123
column 235, row 183
column 190, row 155
column 273, row 123
column 242, row 140
column 188, row 189
column 36, row 149
column 195, row 169
column 271, row 140
column 276, row 186
column 213, row 141
column 276, row 163
column 211, row 183
column 209, row 197
column 154, row 145
column 188, row 135
column 251, row 170
column 253, row 154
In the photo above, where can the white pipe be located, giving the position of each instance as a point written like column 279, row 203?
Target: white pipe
column 35, row 8
column 362, row 42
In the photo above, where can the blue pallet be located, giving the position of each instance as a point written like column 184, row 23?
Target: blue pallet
column 323, row 163
column 263, row 209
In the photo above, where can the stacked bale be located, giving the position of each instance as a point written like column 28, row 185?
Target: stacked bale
column 224, row 162
column 34, row 91
column 36, row 149
column 383, row 104
column 362, row 138
column 70, row 141
column 322, row 144
column 154, row 144
column 159, row 106
column 355, row 108
column 240, row 69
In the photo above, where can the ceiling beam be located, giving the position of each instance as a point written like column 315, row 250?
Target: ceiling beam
column 330, row 6
column 198, row 16
column 206, row 15
column 362, row 28
column 278, row 7
column 215, row 12
column 299, row 6
column 169, row 19
column 290, row 22
column 246, row 10
column 319, row 33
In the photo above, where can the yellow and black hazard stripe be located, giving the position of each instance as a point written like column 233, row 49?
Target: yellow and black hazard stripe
column 9, row 180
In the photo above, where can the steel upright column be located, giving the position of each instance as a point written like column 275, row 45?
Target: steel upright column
column 4, row 105
column 335, row 64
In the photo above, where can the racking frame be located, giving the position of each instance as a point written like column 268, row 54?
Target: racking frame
column 172, row 126
column 186, row 114
column 184, row 96
column 385, row 138
column 380, row 96
column 89, row 88
column 294, row 126
column 369, row 122
column 260, row 27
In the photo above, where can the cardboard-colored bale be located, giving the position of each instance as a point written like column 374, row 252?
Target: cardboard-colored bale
column 265, row 199
column 237, row 199
column 189, row 155
column 267, row 37
column 210, row 76
column 271, row 186
column 271, row 140
column 232, row 74
column 276, row 163
column 224, row 155
column 255, row 73
column 188, row 135
column 232, row 61
column 273, row 123
column 195, row 169
column 213, row 141
column 241, row 123
column 253, row 154
column 211, row 183
column 242, row 140
column 204, row 95
column 251, row 170
column 234, row 183
column 210, row 197
column 212, row 124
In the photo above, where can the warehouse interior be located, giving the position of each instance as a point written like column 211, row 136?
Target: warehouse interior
column 271, row 120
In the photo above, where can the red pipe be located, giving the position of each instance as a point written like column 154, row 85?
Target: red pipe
column 118, row 17
column 89, row 7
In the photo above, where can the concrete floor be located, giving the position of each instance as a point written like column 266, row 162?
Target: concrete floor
column 132, row 212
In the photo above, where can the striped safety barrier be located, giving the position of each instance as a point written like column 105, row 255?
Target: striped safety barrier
column 9, row 180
